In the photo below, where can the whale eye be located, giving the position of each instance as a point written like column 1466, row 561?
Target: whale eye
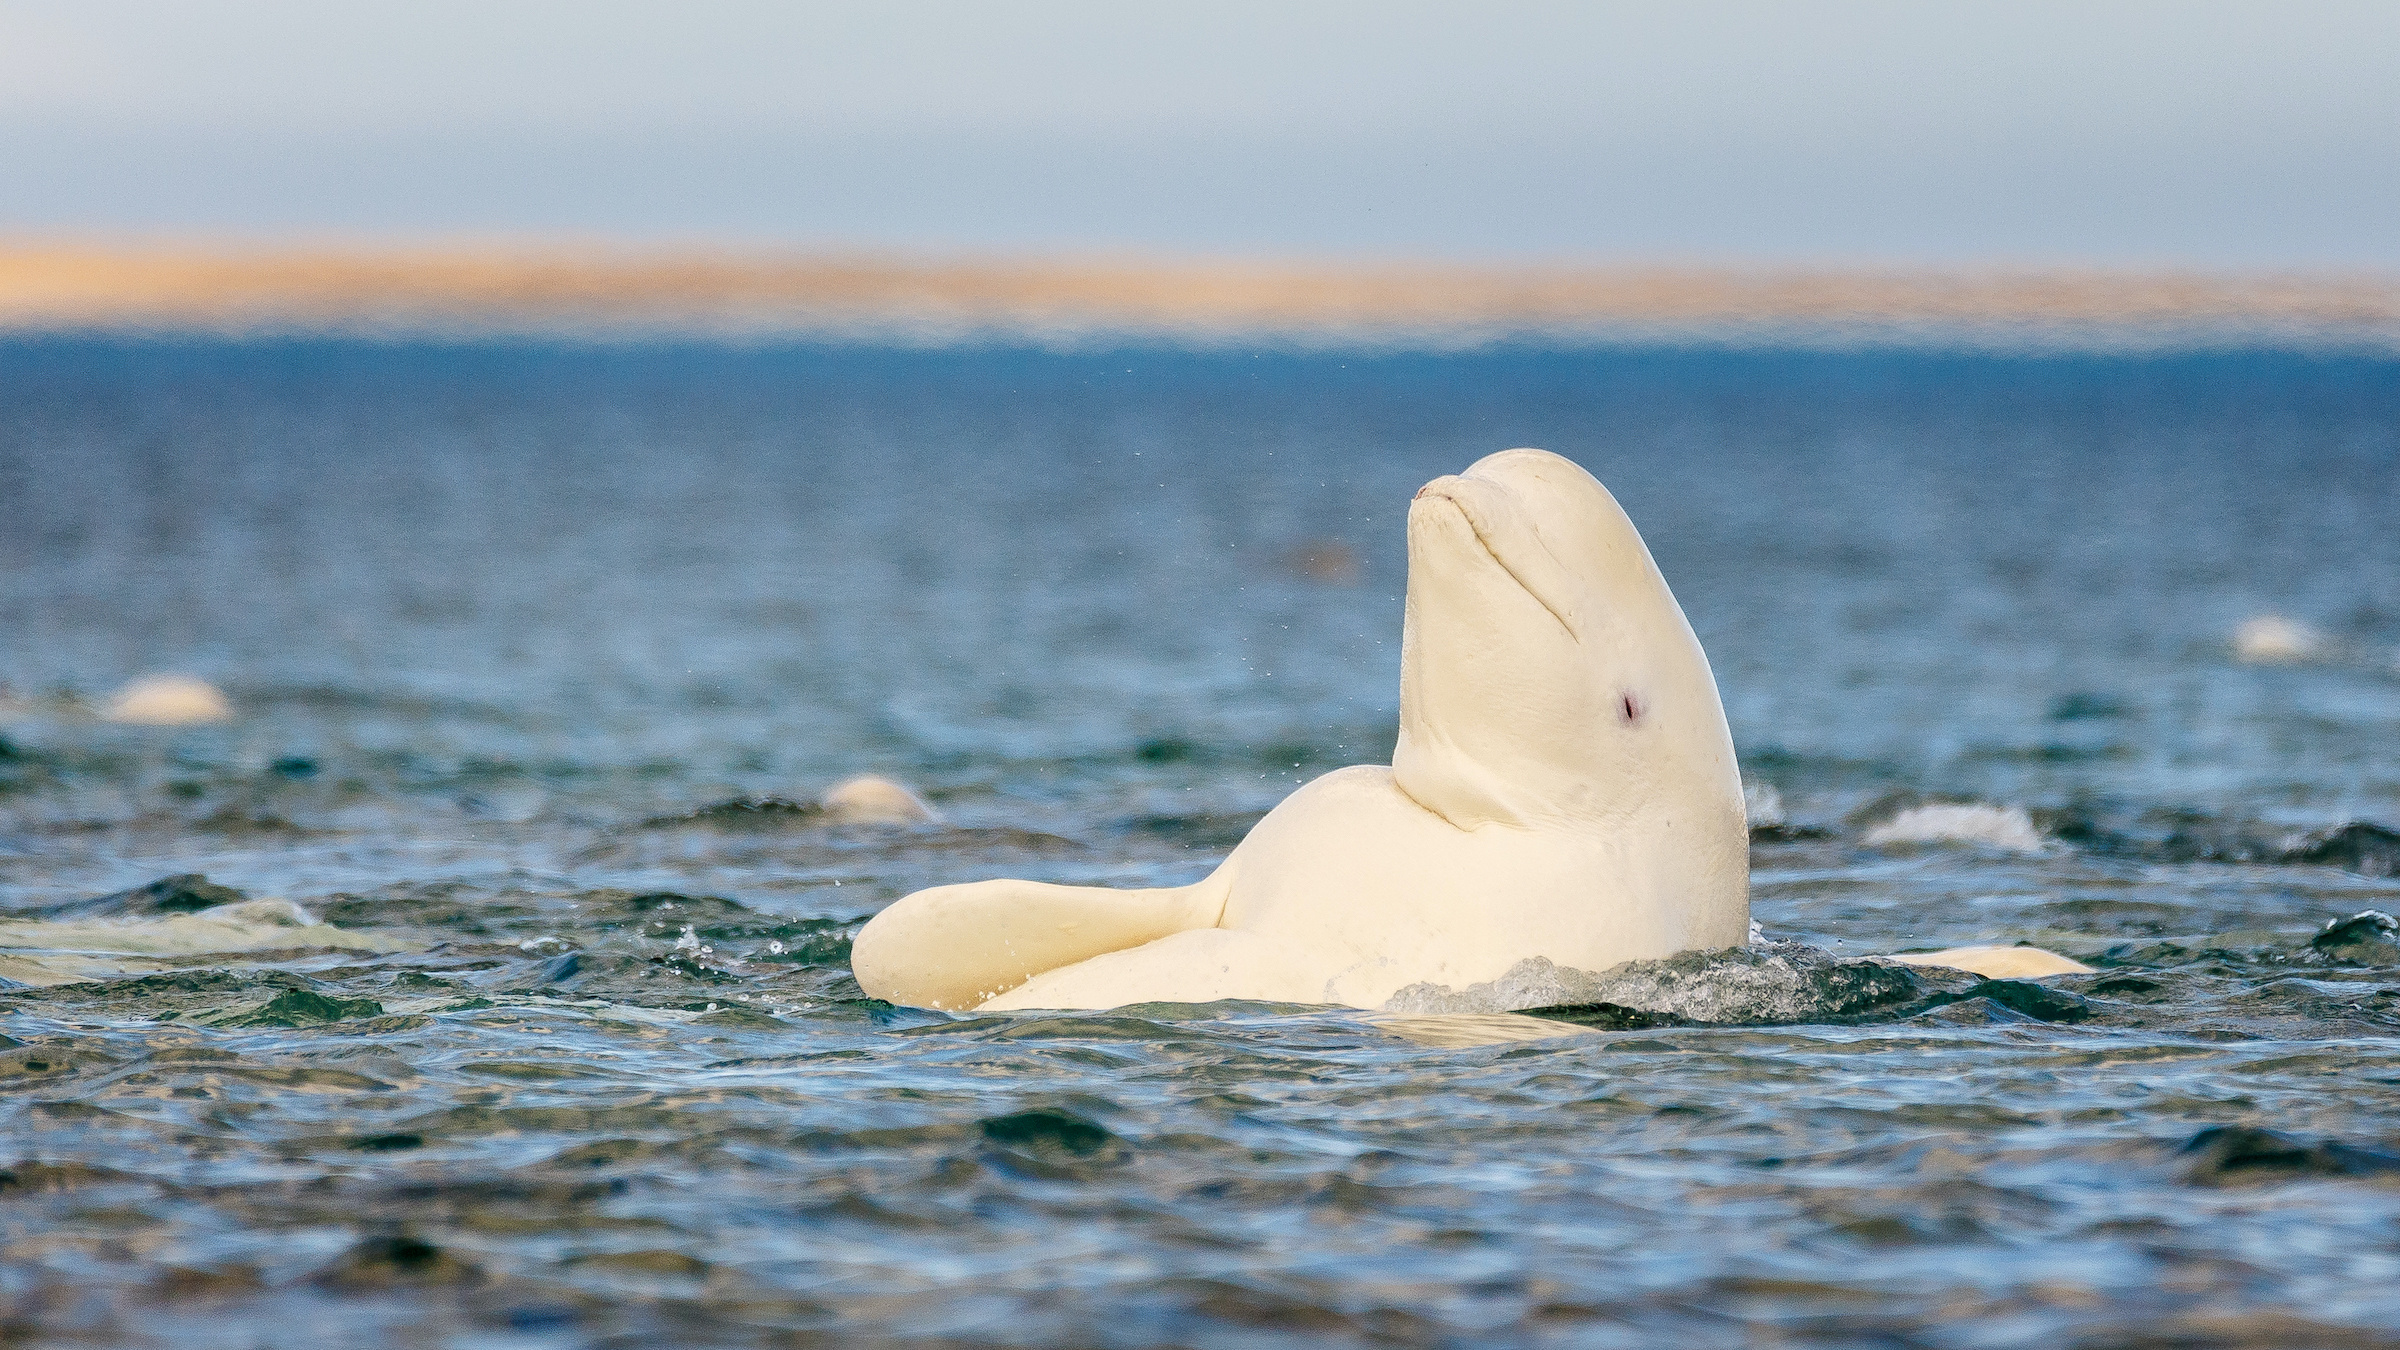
column 1630, row 704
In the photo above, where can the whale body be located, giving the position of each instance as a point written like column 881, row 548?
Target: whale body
column 167, row 701
column 1564, row 786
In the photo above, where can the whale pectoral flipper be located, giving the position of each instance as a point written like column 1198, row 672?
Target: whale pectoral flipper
column 1194, row 966
column 959, row 946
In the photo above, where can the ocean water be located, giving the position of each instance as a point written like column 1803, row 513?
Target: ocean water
column 483, row 981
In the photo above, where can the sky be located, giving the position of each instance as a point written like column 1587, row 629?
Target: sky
column 1833, row 131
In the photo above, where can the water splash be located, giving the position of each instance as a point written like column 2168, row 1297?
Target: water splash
column 1767, row 983
column 2006, row 828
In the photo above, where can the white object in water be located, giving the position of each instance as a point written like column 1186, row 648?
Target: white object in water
column 1762, row 804
column 63, row 951
column 1998, row 963
column 1459, row 1031
column 167, row 701
column 1564, row 787
column 2001, row 827
column 2272, row 638
column 870, row 799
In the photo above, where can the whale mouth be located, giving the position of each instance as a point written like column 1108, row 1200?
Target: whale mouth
column 1439, row 490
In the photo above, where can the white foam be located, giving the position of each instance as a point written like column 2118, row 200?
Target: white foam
column 1762, row 804
column 167, row 701
column 2271, row 638
column 2000, row 827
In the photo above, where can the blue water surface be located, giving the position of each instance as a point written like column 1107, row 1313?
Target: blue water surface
column 538, row 653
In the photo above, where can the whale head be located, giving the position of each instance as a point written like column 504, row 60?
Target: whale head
column 1547, row 675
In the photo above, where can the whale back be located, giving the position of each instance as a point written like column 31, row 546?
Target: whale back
column 1547, row 674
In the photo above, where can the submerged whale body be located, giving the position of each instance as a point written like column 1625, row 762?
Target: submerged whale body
column 167, row 701
column 1564, row 787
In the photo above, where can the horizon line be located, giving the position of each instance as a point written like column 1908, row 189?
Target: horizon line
column 597, row 288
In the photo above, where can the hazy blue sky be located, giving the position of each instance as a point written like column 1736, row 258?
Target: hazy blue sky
column 1842, row 129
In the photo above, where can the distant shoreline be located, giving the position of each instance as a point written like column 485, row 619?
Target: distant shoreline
column 584, row 291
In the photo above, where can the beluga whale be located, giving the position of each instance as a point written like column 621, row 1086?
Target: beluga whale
column 1564, row 787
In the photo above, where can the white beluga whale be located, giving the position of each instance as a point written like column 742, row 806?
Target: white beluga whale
column 167, row 701
column 1564, row 787
column 872, row 799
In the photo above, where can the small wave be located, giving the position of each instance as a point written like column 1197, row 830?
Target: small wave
column 744, row 813
column 2009, row 828
column 183, row 893
column 2360, row 846
column 2357, row 846
column 2367, row 937
column 2367, row 941
column 2231, row 1154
